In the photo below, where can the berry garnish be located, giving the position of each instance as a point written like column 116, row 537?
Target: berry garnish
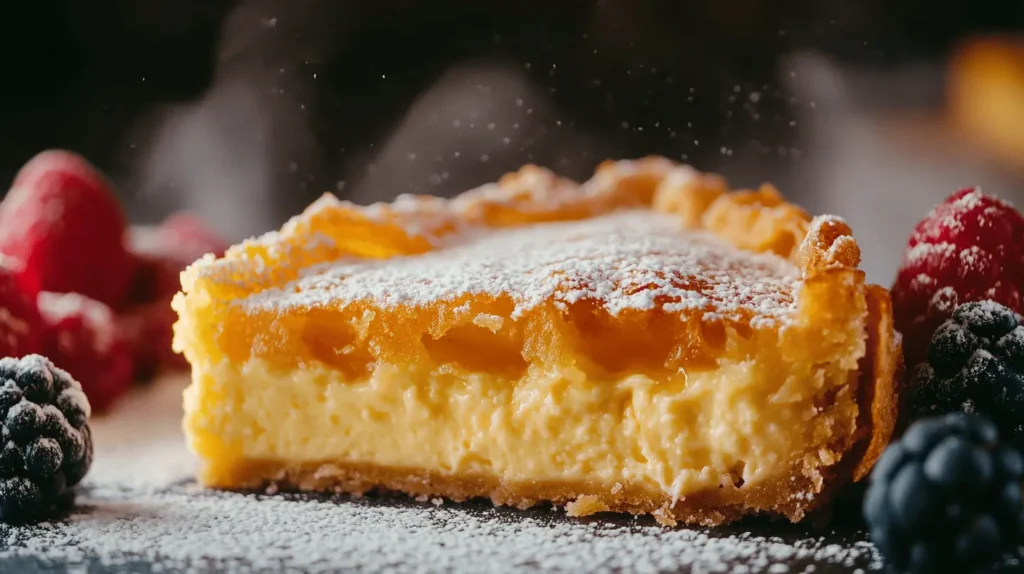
column 969, row 248
column 148, row 330
column 946, row 497
column 164, row 251
column 975, row 364
column 65, row 227
column 20, row 324
column 46, row 444
column 83, row 337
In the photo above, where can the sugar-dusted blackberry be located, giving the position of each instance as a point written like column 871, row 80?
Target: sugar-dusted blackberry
column 975, row 364
column 46, row 443
column 35, row 377
column 946, row 496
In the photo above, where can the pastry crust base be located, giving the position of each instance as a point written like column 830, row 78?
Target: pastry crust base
column 784, row 495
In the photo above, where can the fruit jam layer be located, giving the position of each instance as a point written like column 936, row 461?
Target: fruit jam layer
column 740, row 424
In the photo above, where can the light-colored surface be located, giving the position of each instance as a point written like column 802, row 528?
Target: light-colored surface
column 140, row 513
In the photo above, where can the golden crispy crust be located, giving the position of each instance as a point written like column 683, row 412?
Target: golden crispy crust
column 781, row 496
column 881, row 381
column 834, row 305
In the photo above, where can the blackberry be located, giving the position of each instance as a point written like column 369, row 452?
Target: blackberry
column 46, row 442
column 946, row 497
column 975, row 365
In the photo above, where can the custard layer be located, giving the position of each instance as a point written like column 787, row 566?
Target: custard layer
column 735, row 426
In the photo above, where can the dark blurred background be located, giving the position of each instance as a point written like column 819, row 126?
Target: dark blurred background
column 246, row 111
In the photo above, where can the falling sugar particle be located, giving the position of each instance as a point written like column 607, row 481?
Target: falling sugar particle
column 519, row 102
column 411, row 156
column 490, row 126
column 485, row 158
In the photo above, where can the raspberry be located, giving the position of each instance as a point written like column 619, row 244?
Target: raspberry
column 148, row 331
column 946, row 497
column 192, row 237
column 164, row 251
column 82, row 336
column 969, row 248
column 20, row 324
column 46, row 443
column 66, row 228
column 975, row 364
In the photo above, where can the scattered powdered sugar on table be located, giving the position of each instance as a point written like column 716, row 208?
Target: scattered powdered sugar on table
column 237, row 532
column 631, row 259
column 140, row 511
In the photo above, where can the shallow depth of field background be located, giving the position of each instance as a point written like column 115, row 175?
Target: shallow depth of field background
column 246, row 111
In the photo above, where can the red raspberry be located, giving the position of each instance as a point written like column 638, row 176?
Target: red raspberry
column 20, row 324
column 82, row 338
column 192, row 237
column 64, row 225
column 148, row 331
column 969, row 248
column 164, row 251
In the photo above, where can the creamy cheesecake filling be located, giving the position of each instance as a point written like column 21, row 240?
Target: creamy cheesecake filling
column 738, row 425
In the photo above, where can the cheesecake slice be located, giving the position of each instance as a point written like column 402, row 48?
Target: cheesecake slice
column 646, row 342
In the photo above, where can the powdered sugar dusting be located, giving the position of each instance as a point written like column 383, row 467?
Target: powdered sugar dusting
column 140, row 508
column 625, row 260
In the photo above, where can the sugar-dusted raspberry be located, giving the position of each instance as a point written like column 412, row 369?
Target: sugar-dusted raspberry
column 148, row 329
column 20, row 325
column 969, row 248
column 164, row 251
column 82, row 336
column 62, row 222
